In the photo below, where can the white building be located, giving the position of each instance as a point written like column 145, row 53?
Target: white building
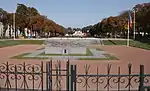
column 78, row 33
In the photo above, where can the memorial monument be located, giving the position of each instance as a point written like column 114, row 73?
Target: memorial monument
column 67, row 46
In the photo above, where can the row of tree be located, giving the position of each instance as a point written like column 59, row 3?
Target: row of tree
column 117, row 26
column 70, row 30
column 30, row 18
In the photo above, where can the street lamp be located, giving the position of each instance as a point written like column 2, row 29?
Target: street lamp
column 14, row 25
column 134, row 24
column 14, row 28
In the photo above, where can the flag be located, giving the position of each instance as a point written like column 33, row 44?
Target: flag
column 130, row 20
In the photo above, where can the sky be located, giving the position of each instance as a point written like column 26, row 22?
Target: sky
column 75, row 13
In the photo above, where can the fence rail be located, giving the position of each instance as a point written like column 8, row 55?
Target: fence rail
column 54, row 77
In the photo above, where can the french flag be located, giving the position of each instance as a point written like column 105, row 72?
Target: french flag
column 130, row 19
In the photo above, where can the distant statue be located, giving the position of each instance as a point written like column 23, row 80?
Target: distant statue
column 1, row 29
column 65, row 51
column 7, row 32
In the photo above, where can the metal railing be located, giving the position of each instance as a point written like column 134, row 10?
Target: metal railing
column 54, row 77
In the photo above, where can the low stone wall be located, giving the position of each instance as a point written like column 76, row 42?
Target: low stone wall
column 66, row 50
column 77, row 50
column 53, row 50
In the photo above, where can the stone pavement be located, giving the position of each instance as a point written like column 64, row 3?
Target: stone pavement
column 96, row 54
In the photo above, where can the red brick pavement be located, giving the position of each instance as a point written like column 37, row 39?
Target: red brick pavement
column 126, row 55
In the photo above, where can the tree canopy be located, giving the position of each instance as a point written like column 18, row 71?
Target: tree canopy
column 117, row 25
column 29, row 17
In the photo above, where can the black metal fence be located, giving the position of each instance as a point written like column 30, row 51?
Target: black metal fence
column 54, row 77
column 24, row 76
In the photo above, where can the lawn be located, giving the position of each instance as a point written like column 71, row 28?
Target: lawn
column 108, row 57
column 138, row 44
column 5, row 43
column 114, row 42
column 133, row 43
column 99, row 49
column 21, row 56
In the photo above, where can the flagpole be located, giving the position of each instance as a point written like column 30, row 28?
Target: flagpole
column 128, row 34
column 134, row 25
column 14, row 25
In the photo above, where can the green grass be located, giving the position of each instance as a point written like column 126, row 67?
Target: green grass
column 99, row 49
column 88, row 53
column 140, row 45
column 108, row 57
column 39, row 42
column 133, row 43
column 115, row 42
column 6, row 43
column 21, row 56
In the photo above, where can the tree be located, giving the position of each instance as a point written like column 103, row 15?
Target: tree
column 29, row 17
column 5, row 18
column 143, row 17
column 70, row 30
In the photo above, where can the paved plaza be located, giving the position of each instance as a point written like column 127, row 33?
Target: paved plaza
column 126, row 55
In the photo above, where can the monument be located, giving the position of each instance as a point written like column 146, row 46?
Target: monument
column 67, row 46
column 64, row 46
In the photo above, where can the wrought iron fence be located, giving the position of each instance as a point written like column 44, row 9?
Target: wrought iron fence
column 111, row 82
column 54, row 77
column 21, row 76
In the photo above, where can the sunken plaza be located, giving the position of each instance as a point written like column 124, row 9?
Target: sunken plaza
column 68, row 48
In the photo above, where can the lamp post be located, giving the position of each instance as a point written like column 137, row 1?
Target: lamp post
column 128, row 40
column 134, row 24
column 14, row 23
